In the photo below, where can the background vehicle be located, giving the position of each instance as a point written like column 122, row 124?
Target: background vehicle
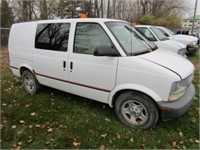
column 154, row 35
column 191, row 41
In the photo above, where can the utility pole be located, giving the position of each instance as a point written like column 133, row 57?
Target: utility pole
column 195, row 9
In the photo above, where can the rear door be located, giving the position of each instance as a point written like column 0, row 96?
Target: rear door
column 51, row 55
column 91, row 76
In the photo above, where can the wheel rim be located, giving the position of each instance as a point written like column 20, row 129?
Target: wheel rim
column 134, row 112
column 29, row 83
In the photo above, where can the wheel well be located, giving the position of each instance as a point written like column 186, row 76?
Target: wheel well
column 22, row 69
column 128, row 90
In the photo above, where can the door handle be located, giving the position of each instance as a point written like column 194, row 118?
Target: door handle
column 71, row 65
column 64, row 64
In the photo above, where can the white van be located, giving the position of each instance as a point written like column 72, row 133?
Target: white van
column 190, row 41
column 101, row 59
column 156, row 36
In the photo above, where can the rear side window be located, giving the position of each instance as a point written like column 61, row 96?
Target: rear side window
column 53, row 36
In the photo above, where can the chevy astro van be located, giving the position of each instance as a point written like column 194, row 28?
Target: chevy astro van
column 101, row 59
column 155, row 35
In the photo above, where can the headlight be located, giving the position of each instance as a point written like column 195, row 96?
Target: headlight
column 177, row 91
column 193, row 43
column 181, row 51
column 179, row 87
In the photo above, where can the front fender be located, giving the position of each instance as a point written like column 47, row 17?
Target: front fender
column 133, row 87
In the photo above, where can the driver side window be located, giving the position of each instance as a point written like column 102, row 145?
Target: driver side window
column 88, row 36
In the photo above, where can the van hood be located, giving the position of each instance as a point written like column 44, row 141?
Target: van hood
column 186, row 38
column 178, row 64
column 170, row 45
column 181, row 45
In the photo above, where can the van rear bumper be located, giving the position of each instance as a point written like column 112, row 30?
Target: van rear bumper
column 170, row 110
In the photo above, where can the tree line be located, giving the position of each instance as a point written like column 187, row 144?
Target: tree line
column 162, row 12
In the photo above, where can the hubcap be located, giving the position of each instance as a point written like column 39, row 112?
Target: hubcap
column 134, row 112
column 29, row 84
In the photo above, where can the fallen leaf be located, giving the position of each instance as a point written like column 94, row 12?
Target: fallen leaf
column 180, row 133
column 102, row 147
column 104, row 135
column 47, row 142
column 181, row 142
column 197, row 141
column 27, row 105
column 191, row 140
column 18, row 133
column 4, row 104
column 107, row 119
column 174, row 144
column 22, row 121
column 30, row 140
column 49, row 130
column 52, row 140
column 76, row 143
column 30, row 126
column 118, row 136
column 38, row 125
column 14, row 126
column 184, row 147
column 1, row 126
column 132, row 140
column 33, row 114
column 142, row 146
column 18, row 148
column 19, row 143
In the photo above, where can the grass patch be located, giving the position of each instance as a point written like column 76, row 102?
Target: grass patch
column 58, row 120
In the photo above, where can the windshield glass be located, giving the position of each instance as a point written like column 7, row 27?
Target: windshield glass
column 159, row 34
column 129, row 39
column 169, row 31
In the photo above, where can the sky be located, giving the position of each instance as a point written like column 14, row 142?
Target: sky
column 191, row 4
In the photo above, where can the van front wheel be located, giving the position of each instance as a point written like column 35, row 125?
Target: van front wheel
column 30, row 83
column 136, row 110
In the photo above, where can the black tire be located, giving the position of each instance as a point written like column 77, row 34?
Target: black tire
column 135, row 109
column 30, row 83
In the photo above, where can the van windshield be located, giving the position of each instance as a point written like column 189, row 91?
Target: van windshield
column 159, row 34
column 169, row 31
column 127, row 36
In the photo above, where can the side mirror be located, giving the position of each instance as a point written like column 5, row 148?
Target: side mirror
column 105, row 50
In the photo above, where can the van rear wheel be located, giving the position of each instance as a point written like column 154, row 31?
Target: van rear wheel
column 136, row 110
column 30, row 83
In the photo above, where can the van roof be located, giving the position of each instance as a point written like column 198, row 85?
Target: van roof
column 76, row 20
column 143, row 26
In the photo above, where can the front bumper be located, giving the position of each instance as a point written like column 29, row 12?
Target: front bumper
column 170, row 110
column 191, row 49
